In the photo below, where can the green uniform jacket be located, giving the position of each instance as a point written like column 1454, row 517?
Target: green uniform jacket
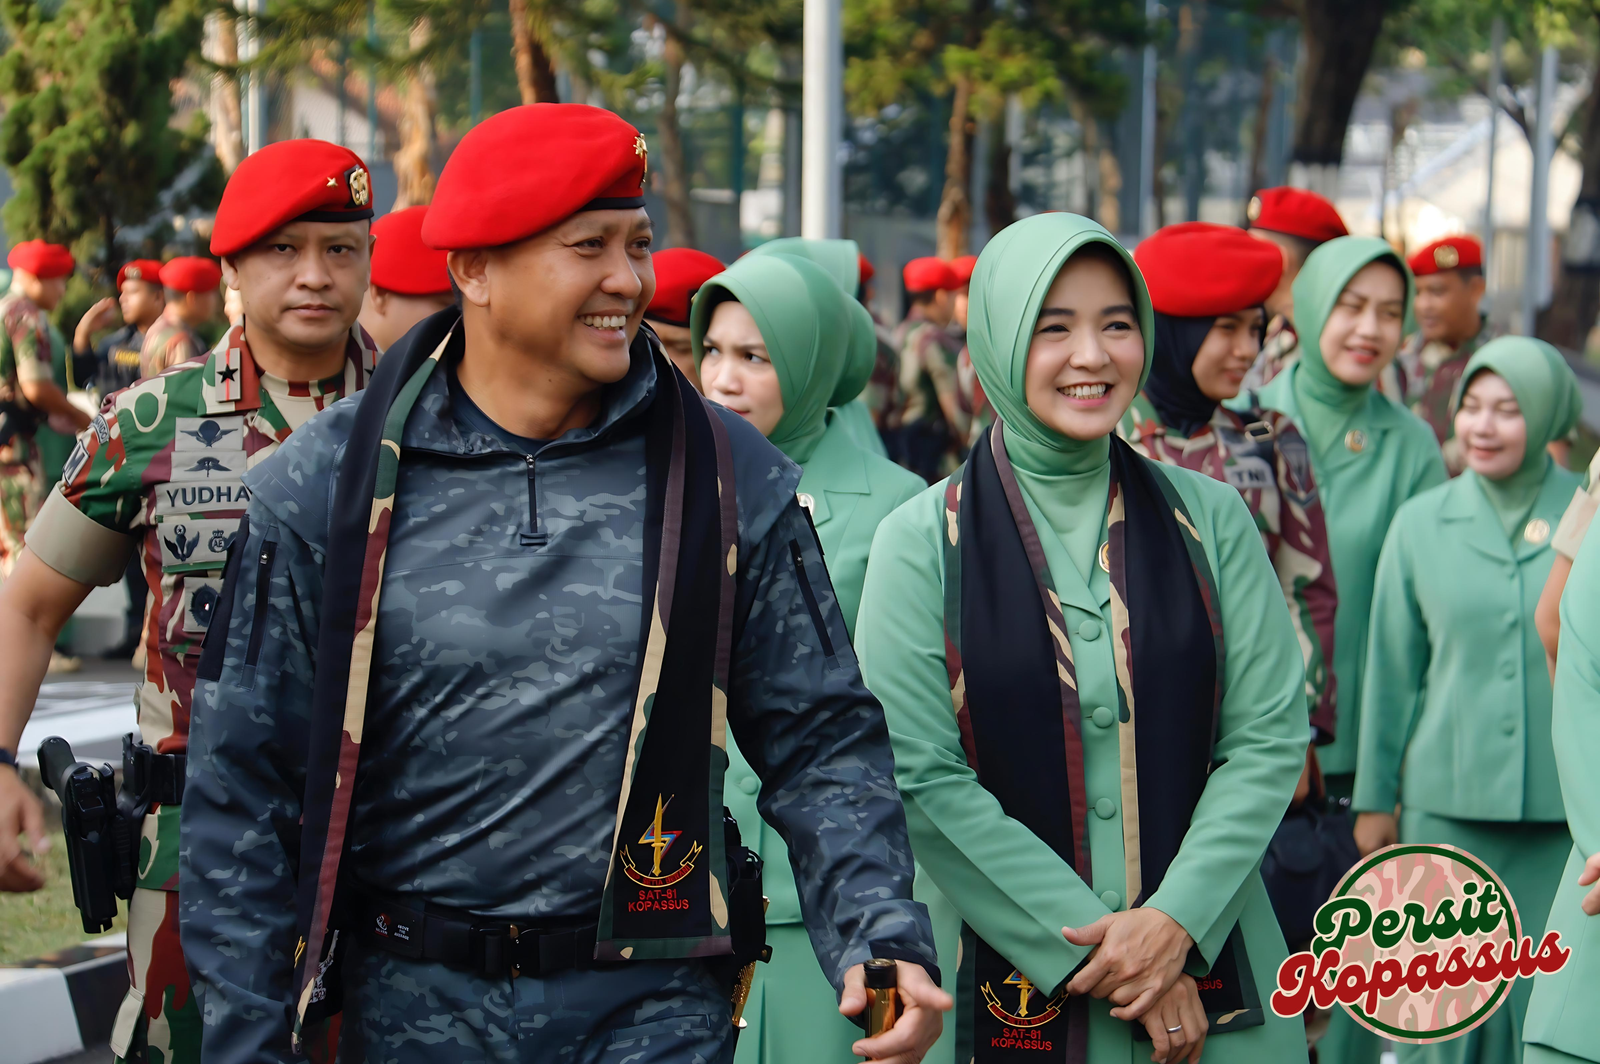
column 1562, row 1010
column 1361, row 490
column 1455, row 716
column 1007, row 883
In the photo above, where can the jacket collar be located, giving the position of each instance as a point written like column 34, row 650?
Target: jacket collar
column 233, row 381
column 1474, row 517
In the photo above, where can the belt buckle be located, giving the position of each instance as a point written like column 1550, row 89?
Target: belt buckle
column 1258, row 431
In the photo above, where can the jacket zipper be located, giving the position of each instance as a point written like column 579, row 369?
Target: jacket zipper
column 534, row 537
column 258, row 625
column 811, row 598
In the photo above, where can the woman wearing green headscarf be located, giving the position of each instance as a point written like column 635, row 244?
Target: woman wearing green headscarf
column 771, row 335
column 1456, row 712
column 1096, row 699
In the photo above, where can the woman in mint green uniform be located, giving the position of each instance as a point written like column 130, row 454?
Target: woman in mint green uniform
column 1456, row 712
column 805, row 320
column 1094, row 692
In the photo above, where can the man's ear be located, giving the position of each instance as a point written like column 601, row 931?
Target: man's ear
column 230, row 273
column 470, row 271
column 379, row 297
column 1477, row 286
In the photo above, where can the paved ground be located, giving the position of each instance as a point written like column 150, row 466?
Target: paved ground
column 97, row 1055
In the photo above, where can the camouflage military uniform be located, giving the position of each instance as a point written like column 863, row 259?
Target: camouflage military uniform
column 170, row 342
column 495, row 741
column 1263, row 455
column 918, row 431
column 1432, row 370
column 25, row 355
column 1279, row 351
column 159, row 472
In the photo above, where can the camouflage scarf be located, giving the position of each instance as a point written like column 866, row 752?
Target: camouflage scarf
column 1014, row 688
column 663, row 896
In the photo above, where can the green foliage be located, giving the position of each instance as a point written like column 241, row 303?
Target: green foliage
column 88, row 134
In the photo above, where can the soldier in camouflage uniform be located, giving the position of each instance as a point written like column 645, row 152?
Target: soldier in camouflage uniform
column 1297, row 222
column 159, row 473
column 192, row 300
column 926, row 429
column 488, row 780
column 29, row 392
column 1450, row 329
column 1208, row 332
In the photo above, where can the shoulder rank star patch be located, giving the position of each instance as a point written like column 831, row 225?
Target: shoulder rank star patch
column 660, row 841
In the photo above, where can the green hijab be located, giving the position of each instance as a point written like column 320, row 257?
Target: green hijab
column 1008, row 288
column 1547, row 393
column 1326, row 402
column 804, row 319
column 842, row 260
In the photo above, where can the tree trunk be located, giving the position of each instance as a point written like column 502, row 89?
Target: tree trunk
column 1110, row 211
column 536, row 75
column 413, row 161
column 1338, row 37
column 955, row 207
column 1258, row 150
column 1576, row 294
column 999, row 205
column 674, row 161
column 227, row 122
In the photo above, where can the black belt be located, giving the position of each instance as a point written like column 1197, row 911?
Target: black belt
column 150, row 776
column 489, row 948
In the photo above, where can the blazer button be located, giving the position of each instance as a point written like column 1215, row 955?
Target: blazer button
column 1105, row 809
column 1509, row 726
column 749, row 784
column 1089, row 630
column 1509, row 671
column 1112, row 900
column 1104, row 717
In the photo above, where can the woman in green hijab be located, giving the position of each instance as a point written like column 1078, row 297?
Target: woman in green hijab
column 1453, row 655
column 1096, row 699
column 771, row 335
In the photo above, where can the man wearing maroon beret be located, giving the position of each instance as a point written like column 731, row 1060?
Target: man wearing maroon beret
column 1450, row 328
column 1298, row 222
column 679, row 274
column 409, row 279
column 924, row 426
column 190, row 284
column 483, row 678
column 159, row 475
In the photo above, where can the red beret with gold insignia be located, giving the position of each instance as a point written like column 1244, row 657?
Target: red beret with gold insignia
column 867, row 273
column 963, row 265
column 401, row 262
column 1296, row 212
column 529, row 167
column 679, row 274
column 139, row 270
column 1200, row 270
column 1451, row 253
column 191, row 273
column 290, row 181
column 42, row 260
column 929, row 274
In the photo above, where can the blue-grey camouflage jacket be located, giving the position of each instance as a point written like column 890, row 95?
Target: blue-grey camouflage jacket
column 507, row 640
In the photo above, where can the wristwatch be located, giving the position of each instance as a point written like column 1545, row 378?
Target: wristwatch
column 6, row 758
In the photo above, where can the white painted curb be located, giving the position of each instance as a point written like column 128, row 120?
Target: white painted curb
column 56, row 1007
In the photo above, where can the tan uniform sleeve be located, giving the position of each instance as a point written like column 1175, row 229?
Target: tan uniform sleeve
column 76, row 545
column 1574, row 523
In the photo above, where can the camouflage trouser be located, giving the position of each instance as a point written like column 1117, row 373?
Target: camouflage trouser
column 20, row 497
column 159, row 1021
column 399, row 1011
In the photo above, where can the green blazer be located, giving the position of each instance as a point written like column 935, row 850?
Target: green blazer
column 1562, row 1010
column 850, row 490
column 1008, row 884
column 1455, row 711
column 1360, row 493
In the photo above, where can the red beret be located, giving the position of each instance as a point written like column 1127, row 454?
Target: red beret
column 401, row 262
column 1200, row 270
column 139, row 270
column 1451, row 253
column 290, row 181
column 866, row 270
column 963, row 265
column 190, row 273
column 1296, row 212
column 679, row 274
column 529, row 167
column 929, row 275
column 42, row 260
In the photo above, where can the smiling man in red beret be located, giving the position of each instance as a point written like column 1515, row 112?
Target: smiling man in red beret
column 409, row 279
column 1298, row 222
column 679, row 274
column 189, row 284
column 1450, row 328
column 159, row 475
column 495, row 664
